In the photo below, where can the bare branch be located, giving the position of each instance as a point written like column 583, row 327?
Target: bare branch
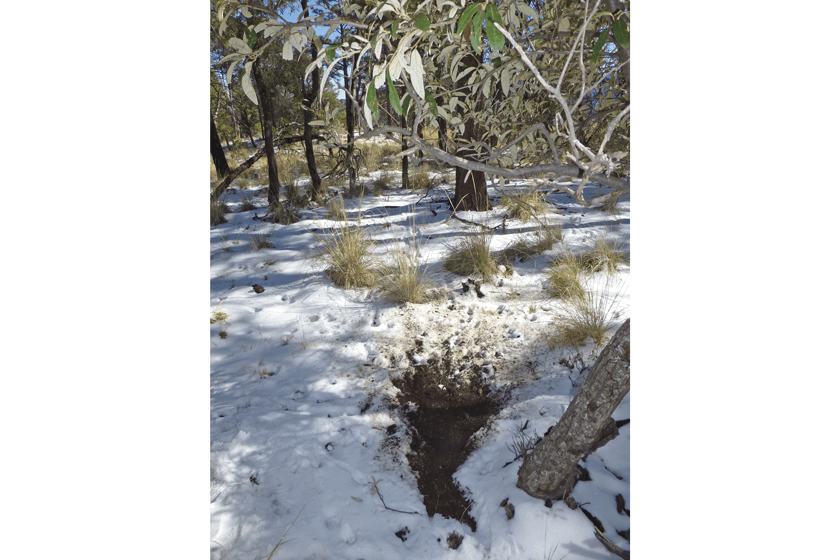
column 611, row 128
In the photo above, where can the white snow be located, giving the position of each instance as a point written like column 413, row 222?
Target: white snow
column 301, row 383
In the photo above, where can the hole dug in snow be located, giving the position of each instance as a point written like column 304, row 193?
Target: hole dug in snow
column 452, row 403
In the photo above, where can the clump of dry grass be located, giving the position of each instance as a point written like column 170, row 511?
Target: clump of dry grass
column 336, row 209
column 603, row 254
column 564, row 278
column 287, row 166
column 589, row 316
column 471, row 255
column 406, row 278
column 282, row 215
column 260, row 240
column 218, row 209
column 523, row 248
column 611, row 206
column 420, row 179
column 218, row 316
column 373, row 154
column 247, row 204
column 382, row 183
column 346, row 251
column 525, row 205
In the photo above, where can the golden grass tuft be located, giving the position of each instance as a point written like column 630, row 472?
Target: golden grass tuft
column 589, row 316
column 346, row 251
column 603, row 254
column 525, row 206
column 405, row 279
column 260, row 240
column 471, row 255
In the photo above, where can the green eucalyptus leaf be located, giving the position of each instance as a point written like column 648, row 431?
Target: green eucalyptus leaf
column 478, row 23
column 422, row 21
column 331, row 53
column 466, row 17
column 622, row 36
column 252, row 38
column 371, row 97
column 494, row 36
column 406, row 103
column 474, row 43
column 599, row 44
column 430, row 99
column 394, row 28
column 393, row 96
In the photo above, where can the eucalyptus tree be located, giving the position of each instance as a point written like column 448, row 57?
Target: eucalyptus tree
column 563, row 73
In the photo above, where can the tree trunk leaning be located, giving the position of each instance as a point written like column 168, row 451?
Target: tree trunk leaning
column 550, row 470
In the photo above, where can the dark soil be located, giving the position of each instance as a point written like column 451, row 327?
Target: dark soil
column 444, row 420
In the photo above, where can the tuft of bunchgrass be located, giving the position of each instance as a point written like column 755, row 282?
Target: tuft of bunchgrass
column 260, row 240
column 373, row 154
column 471, row 255
column 421, row 179
column 336, row 209
column 525, row 206
column 590, row 316
column 218, row 316
column 603, row 254
column 346, row 251
column 279, row 214
column 525, row 248
column 564, row 278
column 405, row 279
column 296, row 195
column 247, row 204
column 611, row 206
column 382, row 183
column 218, row 209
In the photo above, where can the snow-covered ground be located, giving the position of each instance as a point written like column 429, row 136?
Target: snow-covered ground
column 303, row 427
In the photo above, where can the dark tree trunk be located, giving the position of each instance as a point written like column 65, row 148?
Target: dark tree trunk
column 405, row 183
column 470, row 186
column 217, row 152
column 264, row 97
column 550, row 470
column 308, row 116
column 350, row 114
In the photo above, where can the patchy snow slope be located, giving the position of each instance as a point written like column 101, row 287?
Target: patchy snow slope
column 302, row 419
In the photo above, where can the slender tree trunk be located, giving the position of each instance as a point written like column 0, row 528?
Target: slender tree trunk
column 550, row 470
column 350, row 115
column 470, row 186
column 308, row 116
column 217, row 152
column 266, row 101
column 404, row 145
